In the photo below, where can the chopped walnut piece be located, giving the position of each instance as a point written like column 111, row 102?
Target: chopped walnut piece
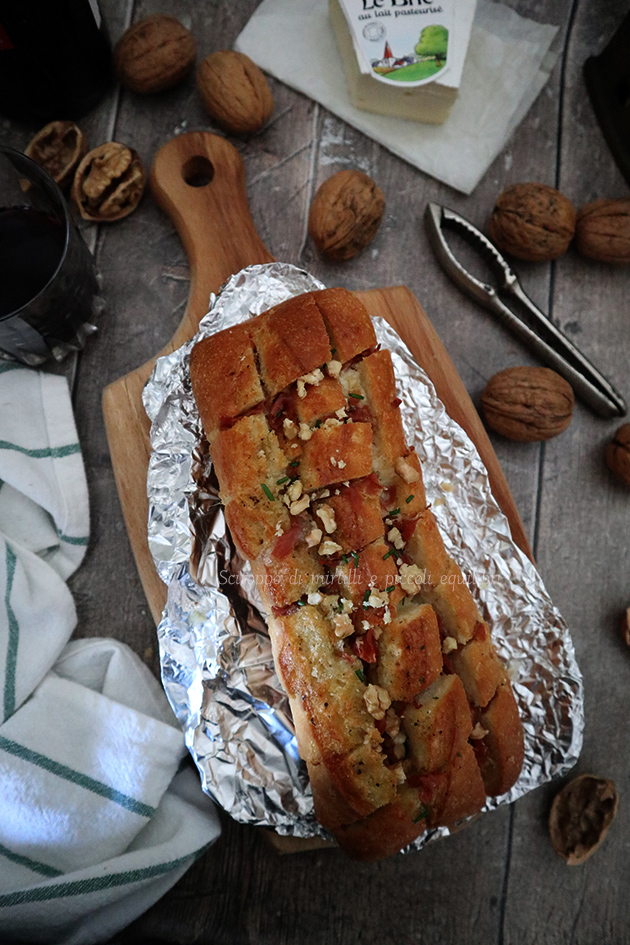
column 341, row 464
column 329, row 547
column 406, row 471
column 289, row 429
column 343, row 626
column 327, row 515
column 334, row 368
column 392, row 723
column 346, row 606
column 294, row 491
column 313, row 377
column 315, row 598
column 329, row 602
column 377, row 701
column 411, row 578
column 479, row 731
column 313, row 538
column 296, row 507
column 301, row 389
column 396, row 538
column 279, row 530
column 305, row 432
column 341, row 413
column 330, row 423
column 449, row 644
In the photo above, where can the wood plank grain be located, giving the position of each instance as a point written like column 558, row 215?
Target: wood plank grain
column 584, row 551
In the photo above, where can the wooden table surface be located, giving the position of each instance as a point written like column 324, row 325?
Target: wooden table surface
column 498, row 881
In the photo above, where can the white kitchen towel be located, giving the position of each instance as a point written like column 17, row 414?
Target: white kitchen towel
column 96, row 823
column 508, row 63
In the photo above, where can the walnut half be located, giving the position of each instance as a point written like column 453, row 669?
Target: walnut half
column 58, row 148
column 109, row 183
column 580, row 816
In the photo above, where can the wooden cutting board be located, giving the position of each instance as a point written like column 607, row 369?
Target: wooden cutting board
column 199, row 180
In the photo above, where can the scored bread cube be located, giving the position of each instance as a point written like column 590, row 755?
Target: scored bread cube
column 320, row 400
column 478, row 666
column 288, row 577
column 500, row 752
column 438, row 725
column 324, row 679
column 410, row 652
column 291, row 340
column 357, row 514
column 246, row 456
column 255, row 522
column 376, row 373
column 372, row 570
column 336, row 454
column 224, row 377
column 426, row 548
column 453, row 603
column 465, row 794
column 348, row 323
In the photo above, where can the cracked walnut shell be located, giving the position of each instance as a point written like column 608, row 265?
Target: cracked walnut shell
column 528, row 403
column 603, row 230
column 235, row 93
column 58, row 148
column 533, row 222
column 580, row 817
column 345, row 214
column 109, row 183
column 154, row 54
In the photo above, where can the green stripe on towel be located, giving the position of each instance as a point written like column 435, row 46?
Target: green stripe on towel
column 71, row 540
column 82, row 886
column 83, row 780
column 29, row 863
column 14, row 636
column 51, row 452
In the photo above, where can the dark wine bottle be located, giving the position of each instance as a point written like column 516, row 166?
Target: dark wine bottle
column 55, row 58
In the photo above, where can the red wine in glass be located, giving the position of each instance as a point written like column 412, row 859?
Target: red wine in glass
column 48, row 286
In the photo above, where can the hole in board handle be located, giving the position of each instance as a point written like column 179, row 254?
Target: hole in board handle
column 198, row 171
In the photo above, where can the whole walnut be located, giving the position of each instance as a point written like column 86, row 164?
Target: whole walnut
column 235, row 93
column 603, row 230
column 528, row 403
column 154, row 54
column 345, row 214
column 533, row 222
column 58, row 148
column 109, row 183
column 618, row 454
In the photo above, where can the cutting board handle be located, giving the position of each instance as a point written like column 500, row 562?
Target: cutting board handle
column 198, row 179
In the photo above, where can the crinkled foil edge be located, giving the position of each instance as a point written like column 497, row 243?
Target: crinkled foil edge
column 216, row 661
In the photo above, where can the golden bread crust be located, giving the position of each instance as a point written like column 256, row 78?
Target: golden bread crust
column 403, row 712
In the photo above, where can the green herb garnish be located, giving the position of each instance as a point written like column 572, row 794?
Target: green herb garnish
column 409, row 498
column 356, row 396
column 284, row 479
column 295, row 462
column 344, row 558
column 422, row 814
column 360, row 675
column 355, row 556
column 391, row 588
column 388, row 555
column 394, row 512
column 318, row 424
column 366, row 596
column 332, row 351
column 267, row 491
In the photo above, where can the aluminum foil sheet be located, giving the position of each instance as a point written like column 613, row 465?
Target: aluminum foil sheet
column 216, row 660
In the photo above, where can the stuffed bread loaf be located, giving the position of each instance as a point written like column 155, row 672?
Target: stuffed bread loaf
column 403, row 712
